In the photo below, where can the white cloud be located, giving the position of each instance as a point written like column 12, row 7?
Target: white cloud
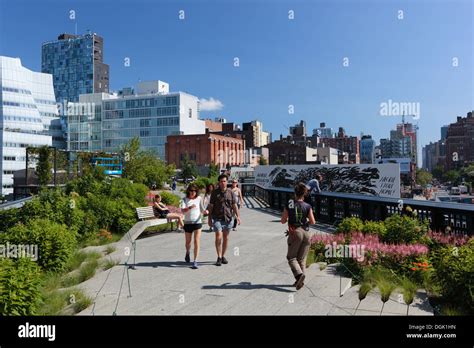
column 210, row 104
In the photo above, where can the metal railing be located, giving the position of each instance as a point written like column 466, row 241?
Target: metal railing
column 331, row 207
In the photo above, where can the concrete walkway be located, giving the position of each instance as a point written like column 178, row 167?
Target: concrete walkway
column 257, row 280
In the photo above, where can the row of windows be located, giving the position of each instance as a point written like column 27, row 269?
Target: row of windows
column 146, row 122
column 143, row 132
column 137, row 103
column 140, row 112
column 80, row 146
column 49, row 114
column 116, row 114
column 23, row 105
column 9, row 158
column 150, row 141
column 5, row 144
column 44, row 101
column 7, row 172
column 7, row 185
column 16, row 90
column 22, row 119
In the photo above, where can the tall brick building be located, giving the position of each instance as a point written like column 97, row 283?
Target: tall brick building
column 204, row 149
column 345, row 143
column 460, row 142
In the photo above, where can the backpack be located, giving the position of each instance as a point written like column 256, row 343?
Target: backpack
column 298, row 215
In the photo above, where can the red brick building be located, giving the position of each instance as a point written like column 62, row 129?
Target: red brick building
column 345, row 143
column 460, row 142
column 205, row 149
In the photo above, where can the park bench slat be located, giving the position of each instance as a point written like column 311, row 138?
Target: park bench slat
column 145, row 212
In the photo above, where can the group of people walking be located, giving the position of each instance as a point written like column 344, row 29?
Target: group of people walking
column 221, row 206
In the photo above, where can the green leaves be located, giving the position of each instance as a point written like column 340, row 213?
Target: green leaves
column 350, row 224
column 143, row 166
column 404, row 229
column 454, row 273
column 54, row 241
column 19, row 286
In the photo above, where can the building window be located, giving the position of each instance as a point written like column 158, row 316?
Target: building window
column 190, row 113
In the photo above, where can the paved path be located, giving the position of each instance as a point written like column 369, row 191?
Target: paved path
column 257, row 279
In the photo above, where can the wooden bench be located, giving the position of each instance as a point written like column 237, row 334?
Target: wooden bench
column 146, row 213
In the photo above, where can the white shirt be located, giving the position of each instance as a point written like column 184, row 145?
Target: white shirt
column 192, row 216
column 205, row 201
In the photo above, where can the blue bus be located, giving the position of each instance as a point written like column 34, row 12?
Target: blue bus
column 111, row 165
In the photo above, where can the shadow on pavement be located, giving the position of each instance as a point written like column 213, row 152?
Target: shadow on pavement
column 170, row 264
column 250, row 286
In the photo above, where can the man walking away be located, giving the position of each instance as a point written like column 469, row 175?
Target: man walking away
column 222, row 207
column 299, row 216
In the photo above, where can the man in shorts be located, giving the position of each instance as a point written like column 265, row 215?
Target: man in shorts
column 222, row 207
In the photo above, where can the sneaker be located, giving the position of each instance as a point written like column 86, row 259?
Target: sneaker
column 186, row 258
column 219, row 261
column 300, row 281
column 234, row 229
column 195, row 265
column 224, row 260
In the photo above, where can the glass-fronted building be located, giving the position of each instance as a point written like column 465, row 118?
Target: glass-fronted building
column 105, row 122
column 28, row 117
column 367, row 149
column 76, row 63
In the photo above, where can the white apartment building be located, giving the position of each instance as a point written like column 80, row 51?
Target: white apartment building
column 28, row 116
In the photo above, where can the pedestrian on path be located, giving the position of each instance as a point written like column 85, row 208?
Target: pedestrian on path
column 299, row 216
column 191, row 206
column 222, row 207
column 205, row 203
column 238, row 198
column 173, row 185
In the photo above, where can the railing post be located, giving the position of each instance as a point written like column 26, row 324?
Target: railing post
column 331, row 202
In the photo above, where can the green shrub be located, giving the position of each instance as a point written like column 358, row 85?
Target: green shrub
column 54, row 241
column 169, row 198
column 19, row 286
column 374, row 227
column 203, row 181
column 454, row 273
column 350, row 224
column 404, row 229
column 8, row 218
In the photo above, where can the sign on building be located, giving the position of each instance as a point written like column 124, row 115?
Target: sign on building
column 381, row 180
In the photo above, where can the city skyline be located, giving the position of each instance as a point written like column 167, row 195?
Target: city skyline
column 276, row 55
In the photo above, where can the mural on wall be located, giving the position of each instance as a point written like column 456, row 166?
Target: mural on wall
column 369, row 179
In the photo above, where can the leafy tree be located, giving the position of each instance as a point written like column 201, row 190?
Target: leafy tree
column 43, row 169
column 262, row 161
column 213, row 170
column 438, row 172
column 188, row 167
column 453, row 176
column 423, row 177
column 143, row 166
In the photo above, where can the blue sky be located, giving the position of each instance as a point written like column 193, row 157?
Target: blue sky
column 282, row 61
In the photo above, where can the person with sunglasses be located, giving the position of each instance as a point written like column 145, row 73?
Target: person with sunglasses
column 192, row 208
